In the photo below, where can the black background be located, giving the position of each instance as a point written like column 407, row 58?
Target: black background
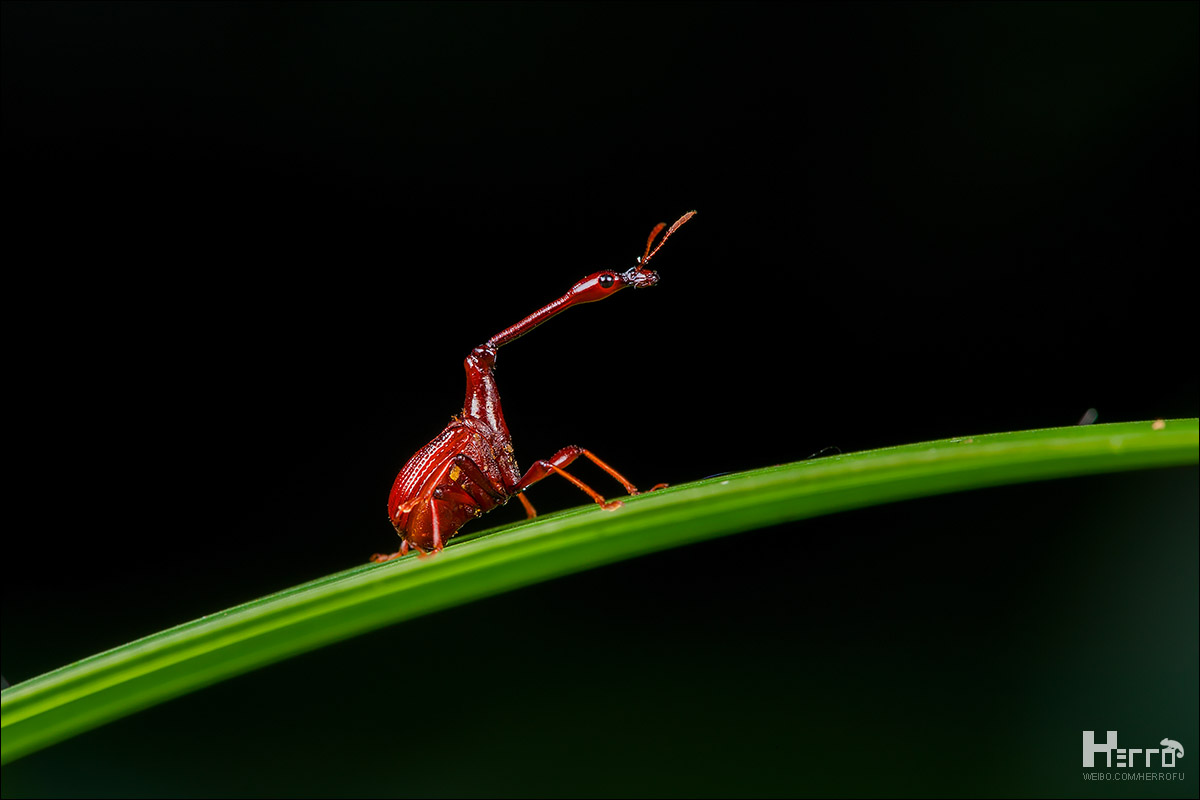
column 248, row 246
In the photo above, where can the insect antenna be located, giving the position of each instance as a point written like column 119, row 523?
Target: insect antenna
column 646, row 256
column 657, row 228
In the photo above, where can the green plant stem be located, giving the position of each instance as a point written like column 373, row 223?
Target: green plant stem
column 88, row 693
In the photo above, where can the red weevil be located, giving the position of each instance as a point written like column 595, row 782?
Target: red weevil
column 468, row 469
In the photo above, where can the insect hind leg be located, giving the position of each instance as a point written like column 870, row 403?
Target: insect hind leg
column 380, row 558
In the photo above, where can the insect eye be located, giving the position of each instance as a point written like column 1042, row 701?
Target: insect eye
column 607, row 280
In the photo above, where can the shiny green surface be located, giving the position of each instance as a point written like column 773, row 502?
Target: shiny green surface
column 80, row 696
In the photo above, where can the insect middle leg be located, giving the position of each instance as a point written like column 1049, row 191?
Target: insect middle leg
column 479, row 486
column 563, row 459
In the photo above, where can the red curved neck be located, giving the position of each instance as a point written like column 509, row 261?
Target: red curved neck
column 544, row 313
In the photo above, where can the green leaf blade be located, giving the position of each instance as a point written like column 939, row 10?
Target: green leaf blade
column 88, row 693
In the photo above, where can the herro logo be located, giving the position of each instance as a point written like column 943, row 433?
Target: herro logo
column 1169, row 751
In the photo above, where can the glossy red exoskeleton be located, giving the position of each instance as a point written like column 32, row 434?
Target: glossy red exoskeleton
column 469, row 469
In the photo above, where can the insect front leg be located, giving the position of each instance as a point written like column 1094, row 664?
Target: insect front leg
column 558, row 463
